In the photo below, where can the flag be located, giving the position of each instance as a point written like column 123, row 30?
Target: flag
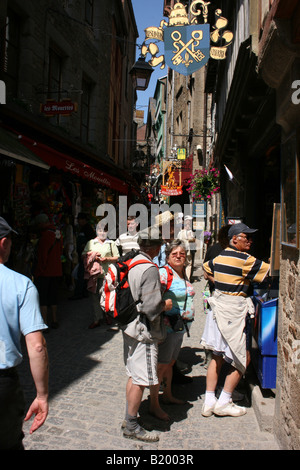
column 229, row 173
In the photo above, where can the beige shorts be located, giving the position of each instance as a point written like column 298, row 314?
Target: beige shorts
column 140, row 361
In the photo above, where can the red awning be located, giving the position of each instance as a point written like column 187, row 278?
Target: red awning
column 75, row 167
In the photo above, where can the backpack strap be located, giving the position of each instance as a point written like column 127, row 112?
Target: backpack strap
column 129, row 267
column 169, row 278
column 132, row 265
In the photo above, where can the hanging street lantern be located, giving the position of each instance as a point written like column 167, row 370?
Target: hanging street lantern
column 141, row 73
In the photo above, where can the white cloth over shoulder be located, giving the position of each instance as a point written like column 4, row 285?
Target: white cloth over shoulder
column 229, row 313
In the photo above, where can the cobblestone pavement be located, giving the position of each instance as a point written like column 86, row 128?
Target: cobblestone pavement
column 87, row 394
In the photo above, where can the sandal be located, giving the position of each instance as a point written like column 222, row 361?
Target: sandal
column 140, row 435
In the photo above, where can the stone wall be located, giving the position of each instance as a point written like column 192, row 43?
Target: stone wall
column 287, row 407
column 279, row 66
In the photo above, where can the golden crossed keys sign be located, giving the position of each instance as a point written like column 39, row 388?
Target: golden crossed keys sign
column 197, row 36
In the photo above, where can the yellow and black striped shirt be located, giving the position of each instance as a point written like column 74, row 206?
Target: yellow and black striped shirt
column 234, row 270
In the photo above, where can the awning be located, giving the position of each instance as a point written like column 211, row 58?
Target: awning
column 11, row 147
column 75, row 167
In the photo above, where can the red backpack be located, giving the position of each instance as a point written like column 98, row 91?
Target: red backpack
column 115, row 297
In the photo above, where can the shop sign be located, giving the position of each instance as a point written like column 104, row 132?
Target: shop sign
column 88, row 174
column 63, row 108
column 189, row 41
column 165, row 191
column 181, row 154
column 199, row 209
column 234, row 220
column 71, row 165
column 170, row 185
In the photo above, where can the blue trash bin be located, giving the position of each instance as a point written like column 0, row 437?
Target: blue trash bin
column 264, row 347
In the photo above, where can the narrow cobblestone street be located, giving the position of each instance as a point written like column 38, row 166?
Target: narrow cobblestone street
column 87, row 394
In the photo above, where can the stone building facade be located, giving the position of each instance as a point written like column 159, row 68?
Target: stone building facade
column 80, row 51
column 67, row 128
column 256, row 114
column 279, row 65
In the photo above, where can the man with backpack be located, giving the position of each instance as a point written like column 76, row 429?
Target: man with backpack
column 141, row 336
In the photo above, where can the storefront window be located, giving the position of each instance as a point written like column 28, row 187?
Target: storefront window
column 290, row 195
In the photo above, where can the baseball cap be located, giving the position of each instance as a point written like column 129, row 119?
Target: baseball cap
column 235, row 229
column 5, row 229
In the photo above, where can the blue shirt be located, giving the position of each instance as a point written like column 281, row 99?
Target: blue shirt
column 160, row 259
column 182, row 293
column 19, row 314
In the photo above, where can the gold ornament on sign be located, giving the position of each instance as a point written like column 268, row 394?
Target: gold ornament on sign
column 217, row 35
column 178, row 16
column 195, row 12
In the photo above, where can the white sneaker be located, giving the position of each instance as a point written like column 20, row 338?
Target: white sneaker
column 207, row 410
column 236, row 396
column 229, row 409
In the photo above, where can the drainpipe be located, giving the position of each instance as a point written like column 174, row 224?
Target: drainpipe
column 172, row 112
column 205, row 131
column 189, row 125
column 166, row 119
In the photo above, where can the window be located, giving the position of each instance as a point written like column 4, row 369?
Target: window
column 55, row 78
column 85, row 111
column 125, row 146
column 89, row 11
column 290, row 192
column 10, row 50
column 55, row 75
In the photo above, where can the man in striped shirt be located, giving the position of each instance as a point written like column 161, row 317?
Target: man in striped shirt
column 234, row 269
column 232, row 272
column 129, row 241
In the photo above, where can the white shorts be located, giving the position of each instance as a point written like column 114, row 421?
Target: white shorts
column 213, row 339
column 140, row 361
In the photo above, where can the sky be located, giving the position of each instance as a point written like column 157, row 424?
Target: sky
column 148, row 13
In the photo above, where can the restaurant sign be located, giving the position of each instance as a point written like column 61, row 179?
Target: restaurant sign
column 165, row 191
column 63, row 108
column 189, row 41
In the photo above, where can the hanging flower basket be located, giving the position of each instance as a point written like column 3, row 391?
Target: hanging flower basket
column 204, row 184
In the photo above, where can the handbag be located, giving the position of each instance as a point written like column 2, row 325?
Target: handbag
column 177, row 322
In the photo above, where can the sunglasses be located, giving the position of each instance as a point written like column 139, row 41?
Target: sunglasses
column 248, row 237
